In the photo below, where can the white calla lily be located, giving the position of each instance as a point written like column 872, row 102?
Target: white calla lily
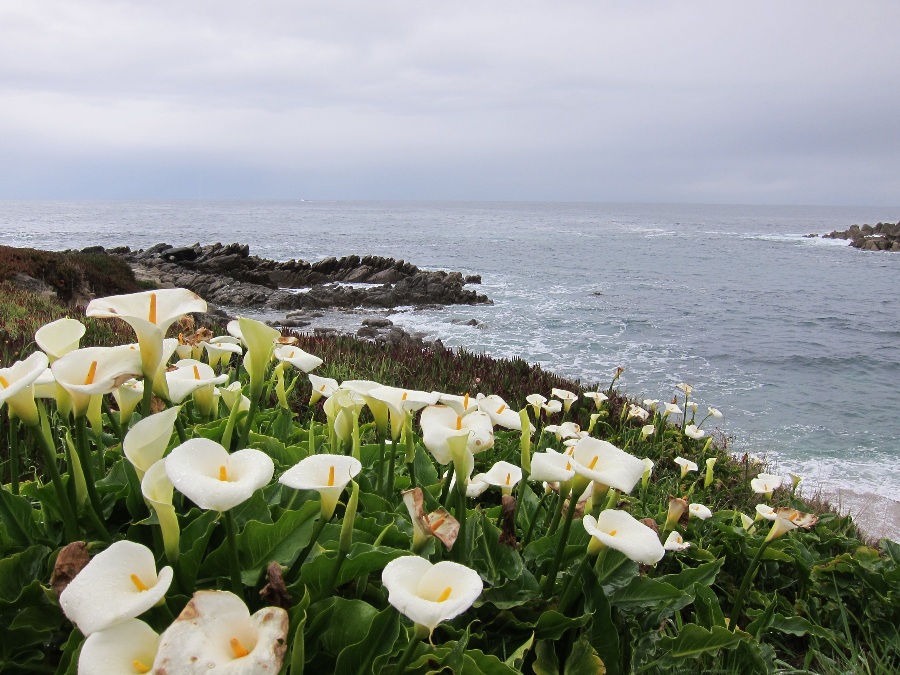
column 327, row 474
column 216, row 352
column 503, row 475
column 623, row 532
column 298, row 358
column 598, row 397
column 686, row 465
column 401, row 402
column 500, row 413
column 128, row 647
column 766, row 483
column 193, row 378
column 551, row 467
column 94, row 371
column 128, row 396
column 536, row 401
column 216, row 633
column 158, row 490
column 429, row 594
column 150, row 314
column 119, row 583
column 59, row 337
column 260, row 341
column 233, row 394
column 17, row 386
column 699, row 511
column 204, row 472
column 567, row 397
column 321, row 386
column 440, row 422
column 146, row 442
column 692, row 431
column 607, row 465
column 675, row 542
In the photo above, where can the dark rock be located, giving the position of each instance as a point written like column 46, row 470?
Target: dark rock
column 378, row 323
column 93, row 249
column 473, row 279
column 881, row 237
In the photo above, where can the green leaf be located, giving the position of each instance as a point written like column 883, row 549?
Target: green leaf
column 694, row 641
column 603, row 633
column 583, row 660
column 18, row 515
column 256, row 508
column 491, row 559
column 797, row 625
column 363, row 559
column 708, row 609
column 283, row 455
column 704, row 574
column 511, row 592
column 546, row 662
column 380, row 638
column 615, row 570
column 261, row 543
column 551, row 625
column 19, row 570
column 517, row 658
column 193, row 543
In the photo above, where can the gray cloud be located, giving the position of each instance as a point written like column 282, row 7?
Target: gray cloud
column 669, row 101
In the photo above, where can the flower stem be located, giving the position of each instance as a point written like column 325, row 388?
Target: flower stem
column 147, row 396
column 95, row 510
column 534, row 519
column 460, row 550
column 13, row 455
column 66, row 507
column 294, row 570
column 745, row 586
column 237, row 586
column 578, row 487
column 571, row 588
column 382, row 445
column 408, row 654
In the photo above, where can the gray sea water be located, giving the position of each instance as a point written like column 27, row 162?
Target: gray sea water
column 796, row 340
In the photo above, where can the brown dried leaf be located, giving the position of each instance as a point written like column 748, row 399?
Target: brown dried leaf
column 70, row 561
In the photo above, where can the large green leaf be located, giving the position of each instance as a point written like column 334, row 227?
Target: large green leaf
column 708, row 608
column 363, row 559
column 704, row 574
column 19, row 570
column 694, row 641
column 583, row 660
column 493, row 560
column 380, row 638
column 261, row 543
column 18, row 515
column 193, row 542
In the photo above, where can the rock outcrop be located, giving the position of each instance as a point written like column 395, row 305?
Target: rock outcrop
column 881, row 237
column 228, row 275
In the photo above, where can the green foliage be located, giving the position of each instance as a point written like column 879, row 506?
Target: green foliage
column 819, row 601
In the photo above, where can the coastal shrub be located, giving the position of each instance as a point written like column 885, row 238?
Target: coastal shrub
column 342, row 535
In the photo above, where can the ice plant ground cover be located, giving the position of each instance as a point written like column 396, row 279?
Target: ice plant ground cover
column 232, row 556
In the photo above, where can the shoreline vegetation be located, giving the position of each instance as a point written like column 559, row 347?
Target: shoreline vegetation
column 754, row 577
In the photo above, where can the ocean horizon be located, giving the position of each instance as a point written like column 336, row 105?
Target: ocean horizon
column 795, row 339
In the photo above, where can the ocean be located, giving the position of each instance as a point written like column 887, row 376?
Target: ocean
column 796, row 340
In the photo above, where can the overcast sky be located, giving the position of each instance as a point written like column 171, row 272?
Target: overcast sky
column 765, row 102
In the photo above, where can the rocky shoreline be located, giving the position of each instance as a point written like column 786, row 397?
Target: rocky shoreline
column 228, row 277
column 880, row 237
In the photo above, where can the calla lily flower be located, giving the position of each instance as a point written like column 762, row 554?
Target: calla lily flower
column 233, row 394
column 790, row 519
column 536, row 401
column 59, row 337
column 260, row 341
column 17, row 386
column 650, row 403
column 671, row 409
column 637, row 412
column 500, row 413
column 686, row 465
column 146, row 442
column 699, row 511
column 376, row 406
column 677, row 508
column 439, row 422
column 128, row 396
column 648, row 470
column 192, row 377
column 127, row 647
column 342, row 409
column 216, row 633
column 157, row 490
column 298, row 358
column 150, row 314
column 503, row 475
column 607, row 465
column 462, row 405
column 598, row 397
column 401, row 402
column 766, row 483
column 204, row 472
column 567, row 397
column 119, row 583
column 647, row 430
column 710, row 465
column 217, row 350
column 438, row 523
column 552, row 407
column 94, row 371
column 675, row 542
column 475, row 486
column 692, row 431
column 564, row 430
column 45, row 385
column 321, row 386
column 429, row 594
column 551, row 467
column 623, row 532
column 747, row 522
column 714, row 412
column 686, row 388
column 327, row 474
column 766, row 512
